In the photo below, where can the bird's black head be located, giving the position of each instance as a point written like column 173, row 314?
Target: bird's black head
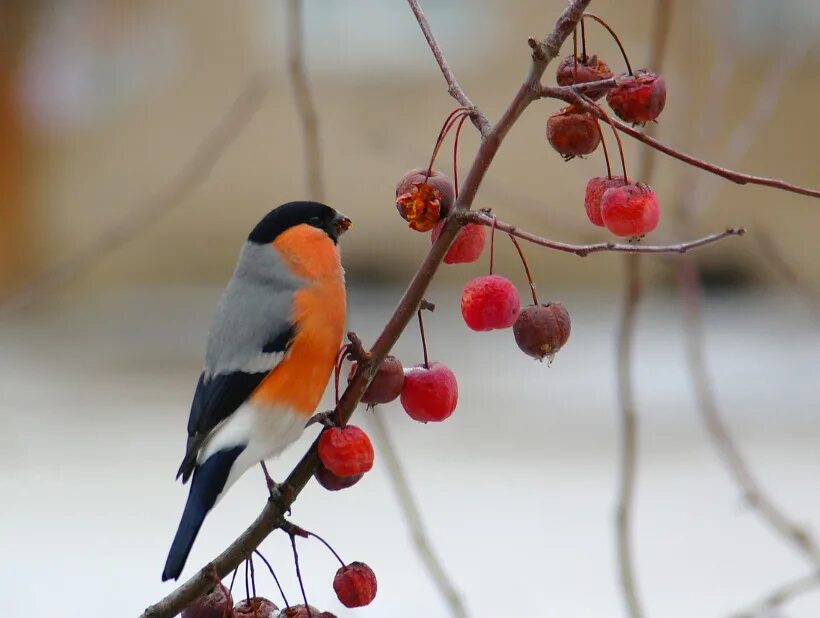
column 291, row 214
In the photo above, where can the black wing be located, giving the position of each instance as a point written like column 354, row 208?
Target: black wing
column 217, row 397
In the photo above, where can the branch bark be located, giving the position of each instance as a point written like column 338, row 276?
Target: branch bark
column 483, row 218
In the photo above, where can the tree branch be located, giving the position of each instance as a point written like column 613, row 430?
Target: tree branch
column 273, row 513
column 304, row 100
column 570, row 95
column 424, row 547
column 483, row 218
column 195, row 171
column 454, row 88
column 782, row 595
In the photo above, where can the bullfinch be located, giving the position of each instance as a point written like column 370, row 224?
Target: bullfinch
column 270, row 354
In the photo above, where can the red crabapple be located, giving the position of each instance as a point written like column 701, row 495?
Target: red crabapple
column 467, row 246
column 573, row 133
column 593, row 70
column 355, row 585
column 490, row 302
column 631, row 210
column 542, row 330
column 345, row 451
column 596, row 187
column 429, row 394
column 638, row 98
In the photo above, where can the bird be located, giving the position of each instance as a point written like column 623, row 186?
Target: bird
column 271, row 350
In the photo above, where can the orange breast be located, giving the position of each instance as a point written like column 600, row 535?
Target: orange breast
column 319, row 313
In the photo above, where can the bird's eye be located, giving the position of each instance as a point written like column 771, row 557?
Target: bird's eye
column 314, row 221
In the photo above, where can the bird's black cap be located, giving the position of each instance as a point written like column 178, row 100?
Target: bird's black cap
column 291, row 214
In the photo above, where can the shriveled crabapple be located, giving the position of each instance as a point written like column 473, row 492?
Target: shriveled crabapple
column 573, row 133
column 256, row 607
column 385, row 385
column 355, row 584
column 467, row 246
column 334, row 482
column 542, row 330
column 423, row 201
column 630, row 211
column 490, row 302
column 304, row 611
column 638, row 98
column 346, row 451
column 574, row 70
column 430, row 393
column 216, row 604
column 596, row 187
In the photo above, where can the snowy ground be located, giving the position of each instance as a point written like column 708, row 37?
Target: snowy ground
column 517, row 488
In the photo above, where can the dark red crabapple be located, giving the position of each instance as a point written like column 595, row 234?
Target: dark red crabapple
column 593, row 70
column 542, row 330
column 333, row 482
column 631, row 210
column 638, row 98
column 256, row 607
column 596, row 187
column 490, row 302
column 304, row 611
column 215, row 604
column 573, row 133
column 423, row 203
column 467, row 246
column 385, row 385
column 355, row 585
column 346, row 451
column 429, row 394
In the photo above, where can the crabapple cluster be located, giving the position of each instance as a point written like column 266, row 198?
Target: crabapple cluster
column 626, row 208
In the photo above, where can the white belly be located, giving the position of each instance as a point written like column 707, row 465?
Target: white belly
column 265, row 432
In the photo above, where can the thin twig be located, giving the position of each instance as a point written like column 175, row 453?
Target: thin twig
column 195, row 171
column 780, row 596
column 628, row 463
column 571, row 96
column 776, row 259
column 454, row 88
column 412, row 515
column 304, row 99
column 272, row 515
column 718, row 431
column 584, row 250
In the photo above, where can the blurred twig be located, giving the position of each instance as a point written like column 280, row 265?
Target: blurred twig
column 144, row 215
column 781, row 595
column 453, row 87
column 412, row 516
column 774, row 257
column 304, row 100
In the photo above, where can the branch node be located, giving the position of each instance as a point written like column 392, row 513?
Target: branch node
column 426, row 305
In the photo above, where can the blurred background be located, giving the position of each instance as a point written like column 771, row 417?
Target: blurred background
column 102, row 105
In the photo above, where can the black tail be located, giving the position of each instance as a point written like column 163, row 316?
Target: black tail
column 209, row 481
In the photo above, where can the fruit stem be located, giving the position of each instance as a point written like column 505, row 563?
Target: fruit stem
column 273, row 574
column 606, row 151
column 526, row 268
column 611, row 124
column 611, row 32
column 340, row 358
column 455, row 152
column 575, row 55
column 445, row 128
column 247, row 588
column 492, row 244
column 583, row 43
column 253, row 575
column 299, row 573
column 326, row 544
column 233, row 579
column 423, row 340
